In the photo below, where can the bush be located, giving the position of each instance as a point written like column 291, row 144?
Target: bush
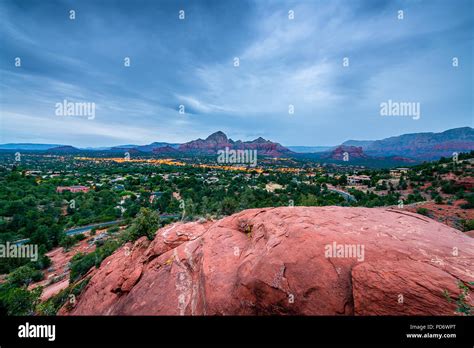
column 15, row 299
column 145, row 224
column 67, row 242
column 113, row 229
column 79, row 237
column 81, row 263
column 470, row 202
column 52, row 305
column 468, row 225
column 24, row 275
column 423, row 211
column 19, row 301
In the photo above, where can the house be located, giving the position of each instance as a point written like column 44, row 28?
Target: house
column 154, row 195
column 33, row 172
column 394, row 182
column 398, row 172
column 357, row 179
column 271, row 187
column 74, row 189
column 212, row 179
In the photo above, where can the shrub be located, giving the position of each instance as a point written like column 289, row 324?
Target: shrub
column 470, row 202
column 145, row 224
column 24, row 275
column 19, row 301
column 113, row 229
column 53, row 304
column 468, row 225
column 81, row 263
column 67, row 242
column 79, row 237
column 423, row 211
column 438, row 199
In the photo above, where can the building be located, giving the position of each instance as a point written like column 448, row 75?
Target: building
column 357, row 179
column 74, row 189
column 271, row 187
column 398, row 172
column 212, row 180
column 155, row 195
column 394, row 182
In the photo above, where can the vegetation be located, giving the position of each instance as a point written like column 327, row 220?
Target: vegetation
column 145, row 224
column 143, row 197
column 67, row 296
column 81, row 263
column 462, row 306
column 15, row 299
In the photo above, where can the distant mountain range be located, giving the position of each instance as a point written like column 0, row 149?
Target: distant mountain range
column 28, row 146
column 146, row 148
column 422, row 146
column 406, row 148
column 310, row 149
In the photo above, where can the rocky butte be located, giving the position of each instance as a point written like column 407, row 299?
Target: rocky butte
column 219, row 141
column 272, row 261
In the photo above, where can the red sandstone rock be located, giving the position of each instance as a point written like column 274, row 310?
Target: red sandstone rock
column 275, row 261
column 469, row 233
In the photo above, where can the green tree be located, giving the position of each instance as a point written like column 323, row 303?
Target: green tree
column 145, row 224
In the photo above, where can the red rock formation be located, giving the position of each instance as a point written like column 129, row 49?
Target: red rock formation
column 219, row 141
column 276, row 261
column 352, row 151
column 165, row 150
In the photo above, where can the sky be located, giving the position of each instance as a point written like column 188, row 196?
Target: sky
column 289, row 52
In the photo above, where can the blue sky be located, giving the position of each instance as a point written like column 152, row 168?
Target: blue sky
column 191, row 62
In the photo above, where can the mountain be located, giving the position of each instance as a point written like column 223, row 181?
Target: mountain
column 64, row 149
column 356, row 156
column 156, row 145
column 353, row 152
column 219, row 141
column 361, row 143
column 213, row 143
column 423, row 146
column 104, row 148
column 308, row 149
column 144, row 148
column 407, row 147
column 129, row 146
column 28, row 146
column 168, row 150
column 219, row 268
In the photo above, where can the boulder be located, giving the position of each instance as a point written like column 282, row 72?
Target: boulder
column 287, row 261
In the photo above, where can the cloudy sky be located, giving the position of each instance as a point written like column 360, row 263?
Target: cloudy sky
column 190, row 62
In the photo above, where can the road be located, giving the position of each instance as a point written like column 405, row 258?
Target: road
column 76, row 230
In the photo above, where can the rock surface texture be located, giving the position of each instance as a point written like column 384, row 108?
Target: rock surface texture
column 289, row 261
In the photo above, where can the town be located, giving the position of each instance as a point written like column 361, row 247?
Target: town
column 79, row 209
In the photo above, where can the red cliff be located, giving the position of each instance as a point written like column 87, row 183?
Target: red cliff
column 292, row 261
